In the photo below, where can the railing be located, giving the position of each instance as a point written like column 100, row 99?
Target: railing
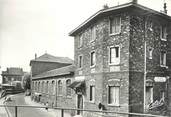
column 61, row 112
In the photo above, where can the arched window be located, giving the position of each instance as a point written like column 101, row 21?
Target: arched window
column 68, row 89
column 47, row 83
column 42, row 88
column 36, row 86
column 49, row 88
column 53, row 87
column 59, row 87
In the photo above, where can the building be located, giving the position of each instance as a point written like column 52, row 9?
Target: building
column 123, row 58
column 11, row 75
column 51, row 77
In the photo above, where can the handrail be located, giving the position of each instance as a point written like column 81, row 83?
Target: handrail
column 88, row 110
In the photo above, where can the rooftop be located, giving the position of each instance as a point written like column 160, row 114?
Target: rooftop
column 103, row 12
column 56, row 72
column 49, row 58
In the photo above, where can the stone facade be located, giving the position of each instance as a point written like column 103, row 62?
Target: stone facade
column 140, row 32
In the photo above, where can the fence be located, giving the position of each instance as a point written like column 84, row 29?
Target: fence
column 60, row 112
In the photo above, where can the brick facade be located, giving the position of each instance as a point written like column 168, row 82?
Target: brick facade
column 137, row 28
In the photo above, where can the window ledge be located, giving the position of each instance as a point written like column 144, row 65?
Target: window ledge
column 163, row 39
column 113, row 34
column 164, row 66
column 114, row 64
column 93, row 102
column 114, row 105
column 93, row 66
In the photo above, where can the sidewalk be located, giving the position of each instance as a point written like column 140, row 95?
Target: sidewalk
column 52, row 112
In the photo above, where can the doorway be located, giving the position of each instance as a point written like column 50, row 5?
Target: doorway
column 79, row 104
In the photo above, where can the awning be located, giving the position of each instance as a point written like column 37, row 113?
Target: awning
column 77, row 84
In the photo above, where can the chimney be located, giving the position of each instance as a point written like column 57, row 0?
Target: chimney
column 165, row 8
column 135, row 1
column 35, row 56
column 105, row 6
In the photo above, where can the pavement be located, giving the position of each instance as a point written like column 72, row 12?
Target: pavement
column 20, row 99
column 52, row 112
column 3, row 112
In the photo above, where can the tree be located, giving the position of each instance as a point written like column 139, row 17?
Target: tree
column 26, row 81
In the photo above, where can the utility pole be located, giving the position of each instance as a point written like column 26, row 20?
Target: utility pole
column 145, row 63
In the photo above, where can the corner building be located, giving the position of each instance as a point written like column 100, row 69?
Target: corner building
column 123, row 54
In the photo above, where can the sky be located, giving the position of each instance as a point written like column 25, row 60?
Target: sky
column 38, row 26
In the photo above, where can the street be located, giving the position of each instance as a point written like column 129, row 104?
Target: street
column 19, row 99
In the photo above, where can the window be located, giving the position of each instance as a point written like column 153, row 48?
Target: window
column 92, row 59
column 38, row 87
column 163, row 33
column 53, row 87
column 115, row 25
column 59, row 87
column 35, row 88
column 92, row 93
column 114, row 57
column 68, row 89
column 93, row 34
column 150, row 53
column 47, row 86
column 113, row 95
column 80, row 41
column 163, row 58
column 149, row 95
column 80, row 61
column 43, row 87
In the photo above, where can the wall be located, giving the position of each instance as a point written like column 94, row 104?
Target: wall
column 151, row 34
column 102, row 72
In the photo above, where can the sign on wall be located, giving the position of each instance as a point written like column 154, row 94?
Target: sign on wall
column 160, row 79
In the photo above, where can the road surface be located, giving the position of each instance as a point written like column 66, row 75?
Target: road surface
column 25, row 112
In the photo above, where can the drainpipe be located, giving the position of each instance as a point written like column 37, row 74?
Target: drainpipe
column 145, row 63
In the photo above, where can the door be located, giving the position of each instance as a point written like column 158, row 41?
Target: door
column 79, row 104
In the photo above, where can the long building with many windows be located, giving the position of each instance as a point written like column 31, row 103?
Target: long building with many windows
column 51, row 78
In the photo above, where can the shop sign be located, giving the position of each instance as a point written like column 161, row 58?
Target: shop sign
column 160, row 79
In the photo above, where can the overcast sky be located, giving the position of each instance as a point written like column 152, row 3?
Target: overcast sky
column 38, row 26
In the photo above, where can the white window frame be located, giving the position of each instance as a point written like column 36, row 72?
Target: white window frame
column 80, row 62
column 80, row 40
column 111, row 19
column 117, row 100
column 151, row 92
column 91, row 60
column 117, row 59
column 163, row 31
column 163, row 59
column 93, row 34
column 92, row 93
